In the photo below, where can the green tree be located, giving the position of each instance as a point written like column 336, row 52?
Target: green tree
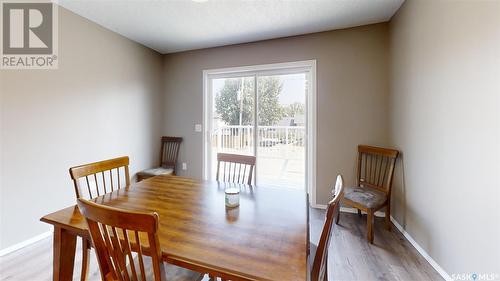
column 236, row 95
column 270, row 110
column 293, row 109
column 236, row 100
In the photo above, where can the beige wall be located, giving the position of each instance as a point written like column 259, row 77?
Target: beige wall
column 105, row 100
column 352, row 93
column 445, row 87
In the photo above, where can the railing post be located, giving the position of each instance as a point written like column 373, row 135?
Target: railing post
column 286, row 142
column 219, row 139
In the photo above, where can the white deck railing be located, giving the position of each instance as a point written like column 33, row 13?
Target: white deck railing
column 286, row 142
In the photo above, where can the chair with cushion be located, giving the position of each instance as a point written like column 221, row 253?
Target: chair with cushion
column 168, row 159
column 319, row 254
column 93, row 180
column 115, row 232
column 375, row 170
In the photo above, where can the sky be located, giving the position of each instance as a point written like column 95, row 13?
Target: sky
column 294, row 86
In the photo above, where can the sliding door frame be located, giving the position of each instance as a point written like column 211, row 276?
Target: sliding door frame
column 308, row 66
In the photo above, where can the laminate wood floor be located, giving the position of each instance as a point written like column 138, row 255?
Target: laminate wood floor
column 391, row 257
column 351, row 257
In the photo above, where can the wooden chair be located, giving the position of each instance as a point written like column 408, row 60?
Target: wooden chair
column 375, row 170
column 116, row 232
column 319, row 268
column 236, row 168
column 100, row 177
column 169, row 153
column 95, row 179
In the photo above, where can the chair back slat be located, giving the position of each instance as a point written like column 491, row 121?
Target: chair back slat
column 170, row 151
column 320, row 262
column 139, row 255
column 376, row 167
column 235, row 168
column 94, row 179
column 115, row 233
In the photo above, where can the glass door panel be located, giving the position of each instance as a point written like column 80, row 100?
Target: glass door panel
column 233, row 117
column 281, row 130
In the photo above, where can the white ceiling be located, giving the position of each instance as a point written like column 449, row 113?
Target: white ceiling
column 173, row 26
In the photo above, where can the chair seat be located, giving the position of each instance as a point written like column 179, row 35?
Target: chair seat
column 174, row 273
column 156, row 172
column 364, row 196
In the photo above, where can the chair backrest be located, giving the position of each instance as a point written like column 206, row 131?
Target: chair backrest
column 375, row 167
column 169, row 151
column 320, row 261
column 100, row 177
column 115, row 233
column 235, row 168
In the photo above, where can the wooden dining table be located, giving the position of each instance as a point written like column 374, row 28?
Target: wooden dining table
column 264, row 238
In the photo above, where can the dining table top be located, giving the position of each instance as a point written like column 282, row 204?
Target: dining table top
column 264, row 238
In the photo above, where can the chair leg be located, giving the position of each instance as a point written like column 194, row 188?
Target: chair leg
column 388, row 223
column 359, row 212
column 369, row 226
column 325, row 277
column 85, row 259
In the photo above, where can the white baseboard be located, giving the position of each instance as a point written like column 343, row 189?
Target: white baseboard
column 25, row 243
column 318, row 206
column 421, row 250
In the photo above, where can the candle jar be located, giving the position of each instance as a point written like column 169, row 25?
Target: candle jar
column 232, row 214
column 232, row 197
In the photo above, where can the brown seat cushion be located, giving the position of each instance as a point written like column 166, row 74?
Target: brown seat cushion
column 174, row 273
column 367, row 197
column 156, row 172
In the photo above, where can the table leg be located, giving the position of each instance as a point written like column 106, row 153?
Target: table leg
column 64, row 254
column 85, row 258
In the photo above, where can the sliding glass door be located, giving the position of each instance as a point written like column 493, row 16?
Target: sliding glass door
column 260, row 113
column 281, row 129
